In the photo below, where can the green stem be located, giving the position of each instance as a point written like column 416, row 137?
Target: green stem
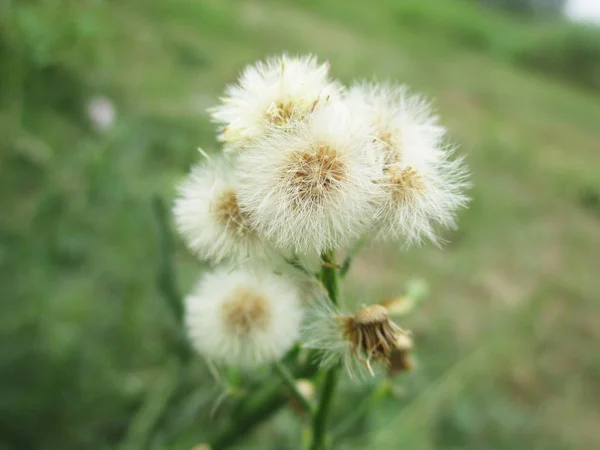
column 329, row 278
column 257, row 409
column 254, row 409
column 321, row 418
column 351, row 254
column 289, row 380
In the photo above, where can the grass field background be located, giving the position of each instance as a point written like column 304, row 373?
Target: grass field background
column 507, row 342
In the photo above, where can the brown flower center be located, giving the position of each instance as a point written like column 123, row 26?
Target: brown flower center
column 391, row 145
column 245, row 311
column 386, row 138
column 315, row 173
column 281, row 113
column 228, row 212
column 405, row 184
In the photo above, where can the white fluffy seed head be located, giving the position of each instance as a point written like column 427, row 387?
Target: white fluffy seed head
column 311, row 188
column 243, row 317
column 275, row 93
column 414, row 200
column 422, row 186
column 209, row 217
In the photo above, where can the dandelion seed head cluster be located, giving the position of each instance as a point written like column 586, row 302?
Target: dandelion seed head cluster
column 308, row 167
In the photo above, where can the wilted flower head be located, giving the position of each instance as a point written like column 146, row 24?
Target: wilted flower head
column 274, row 93
column 400, row 359
column 209, row 216
column 421, row 185
column 243, row 317
column 355, row 339
column 311, row 188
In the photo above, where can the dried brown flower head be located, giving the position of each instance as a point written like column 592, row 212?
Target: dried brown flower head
column 357, row 339
column 400, row 359
column 372, row 335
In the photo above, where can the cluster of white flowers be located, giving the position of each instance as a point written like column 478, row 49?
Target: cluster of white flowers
column 308, row 166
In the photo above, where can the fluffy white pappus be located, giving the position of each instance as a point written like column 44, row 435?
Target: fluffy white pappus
column 273, row 93
column 322, row 329
column 404, row 122
column 415, row 202
column 210, row 219
column 311, row 188
column 423, row 186
column 243, row 317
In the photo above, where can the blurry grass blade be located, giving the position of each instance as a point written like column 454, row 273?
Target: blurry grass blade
column 351, row 254
column 145, row 422
column 166, row 273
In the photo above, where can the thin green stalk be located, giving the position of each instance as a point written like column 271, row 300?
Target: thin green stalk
column 157, row 400
column 329, row 278
column 376, row 394
column 145, row 422
column 165, row 276
column 166, row 273
column 254, row 409
column 296, row 264
column 351, row 254
column 289, row 380
column 321, row 417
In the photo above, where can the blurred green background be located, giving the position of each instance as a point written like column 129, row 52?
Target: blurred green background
column 507, row 343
